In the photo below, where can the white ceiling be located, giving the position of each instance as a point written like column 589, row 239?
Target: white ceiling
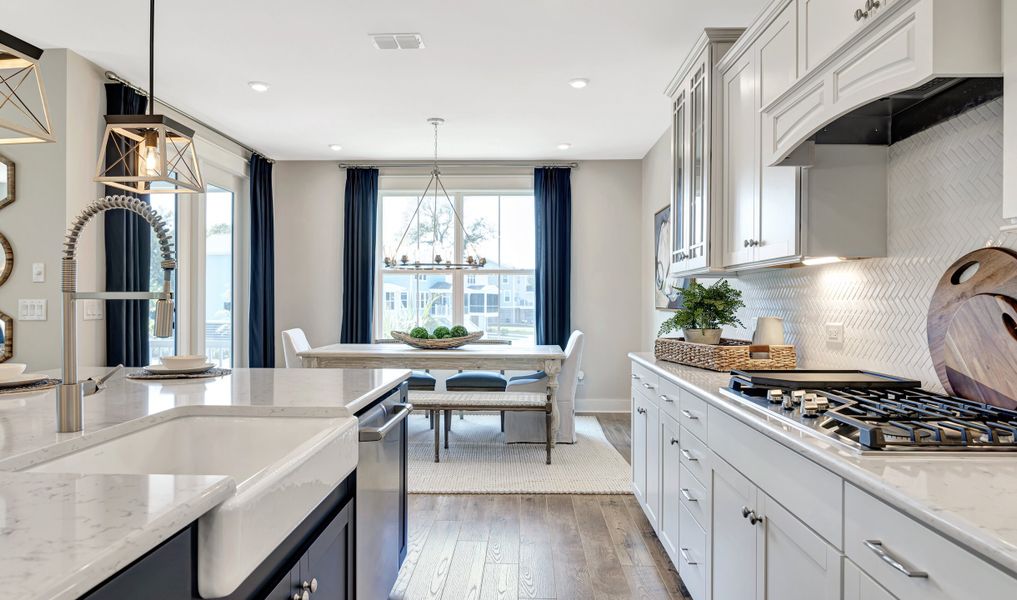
column 496, row 70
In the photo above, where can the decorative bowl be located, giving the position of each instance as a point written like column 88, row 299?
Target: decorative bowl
column 442, row 344
column 184, row 361
column 11, row 370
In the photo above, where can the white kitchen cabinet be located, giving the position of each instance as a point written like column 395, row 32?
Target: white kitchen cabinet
column 646, row 456
column 827, row 24
column 859, row 586
column 695, row 175
column 734, row 538
column 740, row 160
column 670, row 486
column 1010, row 113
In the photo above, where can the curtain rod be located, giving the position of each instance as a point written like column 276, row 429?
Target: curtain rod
column 468, row 163
column 114, row 77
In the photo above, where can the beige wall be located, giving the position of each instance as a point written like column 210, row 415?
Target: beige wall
column 605, row 272
column 656, row 184
column 308, row 250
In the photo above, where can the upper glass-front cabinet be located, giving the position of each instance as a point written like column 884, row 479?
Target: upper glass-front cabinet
column 694, row 174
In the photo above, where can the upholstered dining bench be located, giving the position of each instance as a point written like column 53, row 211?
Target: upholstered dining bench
column 437, row 403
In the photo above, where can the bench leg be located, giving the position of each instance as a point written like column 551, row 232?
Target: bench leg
column 547, row 421
column 448, row 426
column 503, row 421
column 430, row 419
column 436, row 425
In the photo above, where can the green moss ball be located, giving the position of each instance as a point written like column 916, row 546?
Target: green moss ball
column 442, row 332
column 419, row 332
column 459, row 331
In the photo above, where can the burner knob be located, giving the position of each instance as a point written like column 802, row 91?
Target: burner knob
column 789, row 403
column 775, row 396
column 810, row 409
column 797, row 396
column 822, row 403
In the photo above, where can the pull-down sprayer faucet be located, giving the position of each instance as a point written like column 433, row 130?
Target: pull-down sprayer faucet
column 71, row 393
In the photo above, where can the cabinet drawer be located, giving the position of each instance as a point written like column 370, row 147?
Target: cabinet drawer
column 809, row 491
column 692, row 414
column 878, row 535
column 668, row 394
column 694, row 496
column 645, row 382
column 692, row 555
column 695, row 456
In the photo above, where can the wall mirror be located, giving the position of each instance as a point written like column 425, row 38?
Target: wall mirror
column 6, row 259
column 6, row 337
column 6, row 181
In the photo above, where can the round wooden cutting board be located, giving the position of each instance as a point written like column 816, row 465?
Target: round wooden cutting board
column 981, row 350
column 987, row 279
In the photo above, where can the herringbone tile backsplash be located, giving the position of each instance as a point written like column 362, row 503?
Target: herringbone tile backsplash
column 945, row 200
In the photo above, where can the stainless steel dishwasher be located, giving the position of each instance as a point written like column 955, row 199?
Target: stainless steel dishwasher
column 381, row 528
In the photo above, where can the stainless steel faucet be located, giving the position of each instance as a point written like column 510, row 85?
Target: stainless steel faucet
column 71, row 393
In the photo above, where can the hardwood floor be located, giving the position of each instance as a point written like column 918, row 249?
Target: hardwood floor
column 554, row 547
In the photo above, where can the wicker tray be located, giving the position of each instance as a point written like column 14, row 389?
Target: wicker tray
column 442, row 344
column 728, row 355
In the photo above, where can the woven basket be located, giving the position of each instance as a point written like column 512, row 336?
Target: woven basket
column 726, row 356
column 442, row 344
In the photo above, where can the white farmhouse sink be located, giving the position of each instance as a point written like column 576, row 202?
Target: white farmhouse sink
column 283, row 468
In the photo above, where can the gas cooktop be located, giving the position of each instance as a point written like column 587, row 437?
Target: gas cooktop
column 869, row 411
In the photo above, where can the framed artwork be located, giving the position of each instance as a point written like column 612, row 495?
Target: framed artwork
column 664, row 295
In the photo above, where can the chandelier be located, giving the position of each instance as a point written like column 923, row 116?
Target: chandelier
column 435, row 260
column 24, row 114
column 149, row 149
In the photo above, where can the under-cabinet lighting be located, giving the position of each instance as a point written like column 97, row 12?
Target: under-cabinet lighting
column 822, row 260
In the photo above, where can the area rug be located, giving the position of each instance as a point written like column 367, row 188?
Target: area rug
column 479, row 461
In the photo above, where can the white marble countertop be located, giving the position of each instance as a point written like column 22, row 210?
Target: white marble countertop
column 60, row 535
column 465, row 352
column 966, row 497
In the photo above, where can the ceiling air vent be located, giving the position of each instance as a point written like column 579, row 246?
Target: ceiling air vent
column 397, row 41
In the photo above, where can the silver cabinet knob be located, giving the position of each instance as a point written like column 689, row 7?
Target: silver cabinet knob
column 871, row 4
column 751, row 515
column 861, row 14
column 641, row 410
column 304, row 595
column 745, row 243
column 310, row 585
column 674, row 441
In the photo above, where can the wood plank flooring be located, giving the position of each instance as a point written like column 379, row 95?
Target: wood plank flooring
column 549, row 547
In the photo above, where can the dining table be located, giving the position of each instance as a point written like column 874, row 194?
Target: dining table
column 470, row 357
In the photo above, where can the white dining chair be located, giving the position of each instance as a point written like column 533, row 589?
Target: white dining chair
column 294, row 341
column 530, row 427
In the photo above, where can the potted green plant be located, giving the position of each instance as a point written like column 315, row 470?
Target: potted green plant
column 704, row 310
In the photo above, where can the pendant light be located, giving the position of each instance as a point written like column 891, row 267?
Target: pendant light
column 434, row 260
column 24, row 113
column 150, row 149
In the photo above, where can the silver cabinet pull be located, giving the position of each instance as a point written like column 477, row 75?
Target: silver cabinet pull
column 674, row 441
column 666, row 398
column 376, row 434
column 689, row 415
column 648, row 386
column 686, row 557
column 634, row 376
column 877, row 547
column 641, row 410
column 688, row 456
column 687, row 495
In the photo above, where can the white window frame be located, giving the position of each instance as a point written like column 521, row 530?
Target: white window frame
column 458, row 276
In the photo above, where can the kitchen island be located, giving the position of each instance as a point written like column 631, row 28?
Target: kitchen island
column 732, row 489
column 63, row 534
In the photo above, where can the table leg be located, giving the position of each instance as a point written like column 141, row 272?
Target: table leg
column 552, row 368
column 550, row 435
column 436, row 424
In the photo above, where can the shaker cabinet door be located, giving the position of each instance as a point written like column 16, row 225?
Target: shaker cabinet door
column 734, row 536
column 670, row 487
column 740, row 162
column 795, row 563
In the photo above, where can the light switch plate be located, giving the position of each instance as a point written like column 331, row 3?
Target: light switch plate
column 834, row 333
column 31, row 310
column 38, row 272
column 93, row 310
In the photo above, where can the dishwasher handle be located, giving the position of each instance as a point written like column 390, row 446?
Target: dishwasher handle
column 376, row 434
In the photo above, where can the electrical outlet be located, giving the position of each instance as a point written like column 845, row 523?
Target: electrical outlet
column 38, row 272
column 834, row 333
column 31, row 310
column 93, row 310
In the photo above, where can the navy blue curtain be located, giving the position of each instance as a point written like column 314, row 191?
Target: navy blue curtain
column 552, row 190
column 128, row 243
column 360, row 221
column 261, row 322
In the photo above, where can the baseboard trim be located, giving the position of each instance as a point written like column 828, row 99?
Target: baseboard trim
column 603, row 405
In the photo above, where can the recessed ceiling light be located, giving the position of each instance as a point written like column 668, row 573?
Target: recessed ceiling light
column 579, row 82
column 564, row 146
column 258, row 86
column 335, row 147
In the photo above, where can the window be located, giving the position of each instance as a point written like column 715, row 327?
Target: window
column 498, row 299
column 219, row 276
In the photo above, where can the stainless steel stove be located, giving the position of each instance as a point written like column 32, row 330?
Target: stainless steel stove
column 869, row 412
